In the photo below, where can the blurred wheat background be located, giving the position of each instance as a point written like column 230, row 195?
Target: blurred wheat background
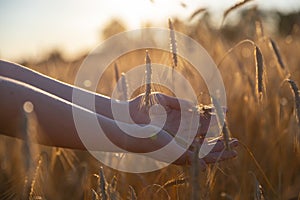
column 257, row 53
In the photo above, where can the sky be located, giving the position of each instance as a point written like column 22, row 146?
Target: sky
column 32, row 28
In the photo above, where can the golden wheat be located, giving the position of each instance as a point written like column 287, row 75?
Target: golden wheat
column 173, row 44
column 295, row 90
column 259, row 29
column 124, row 87
column 259, row 72
column 258, row 193
column 102, row 185
column 197, row 12
column 148, row 80
column 131, row 194
column 35, row 178
column 235, row 6
column 277, row 54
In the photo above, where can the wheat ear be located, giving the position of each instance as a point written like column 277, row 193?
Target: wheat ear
column 102, row 184
column 277, row 54
column 259, row 29
column 258, row 192
column 131, row 194
column 173, row 44
column 295, row 90
column 124, row 86
column 117, row 76
column 116, row 72
column 259, row 71
column 148, row 79
column 35, row 177
column 95, row 196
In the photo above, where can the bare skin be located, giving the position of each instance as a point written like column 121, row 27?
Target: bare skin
column 103, row 103
column 53, row 106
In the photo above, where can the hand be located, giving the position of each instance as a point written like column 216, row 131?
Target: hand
column 140, row 114
column 218, row 153
column 213, row 151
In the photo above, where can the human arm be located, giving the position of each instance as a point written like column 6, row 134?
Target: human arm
column 55, row 122
column 56, row 126
column 103, row 103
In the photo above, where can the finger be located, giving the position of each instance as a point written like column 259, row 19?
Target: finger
column 206, row 120
column 188, row 159
column 176, row 103
column 219, row 145
column 216, row 145
column 214, row 157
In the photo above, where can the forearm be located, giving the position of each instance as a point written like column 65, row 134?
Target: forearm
column 57, row 88
column 55, row 124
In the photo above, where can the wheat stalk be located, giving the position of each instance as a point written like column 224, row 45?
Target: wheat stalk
column 222, row 122
column 237, row 5
column 258, row 63
column 232, row 48
column 195, row 172
column 26, row 147
column 29, row 124
column 197, row 12
column 259, row 167
column 175, row 182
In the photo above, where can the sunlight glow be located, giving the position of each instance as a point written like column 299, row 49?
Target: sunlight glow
column 33, row 28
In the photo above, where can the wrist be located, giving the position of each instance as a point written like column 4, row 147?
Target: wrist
column 120, row 111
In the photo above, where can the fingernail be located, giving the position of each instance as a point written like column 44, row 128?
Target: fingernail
column 234, row 142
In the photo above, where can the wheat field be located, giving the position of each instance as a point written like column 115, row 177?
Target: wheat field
column 261, row 74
